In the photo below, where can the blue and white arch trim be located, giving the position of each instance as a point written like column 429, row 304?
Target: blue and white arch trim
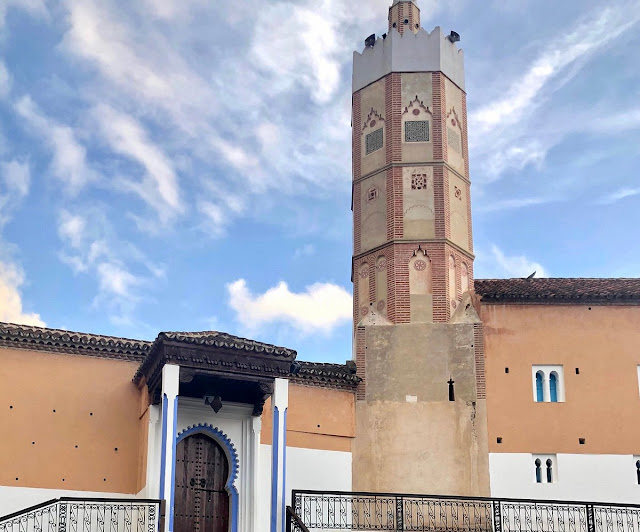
column 232, row 455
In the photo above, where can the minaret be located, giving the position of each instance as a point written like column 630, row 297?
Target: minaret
column 415, row 326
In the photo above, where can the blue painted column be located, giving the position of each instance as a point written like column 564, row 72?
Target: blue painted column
column 279, row 405
column 170, row 386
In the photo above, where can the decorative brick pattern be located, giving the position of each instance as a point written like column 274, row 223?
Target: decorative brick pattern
column 478, row 346
column 439, row 111
column 356, row 141
column 357, row 217
column 393, row 113
column 465, row 152
column 395, row 199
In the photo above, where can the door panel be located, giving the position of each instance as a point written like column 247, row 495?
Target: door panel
column 201, row 501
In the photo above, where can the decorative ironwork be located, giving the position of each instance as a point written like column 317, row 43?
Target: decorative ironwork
column 319, row 511
column 85, row 515
column 374, row 141
column 416, row 131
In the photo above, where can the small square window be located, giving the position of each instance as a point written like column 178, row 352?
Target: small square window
column 419, row 181
column 373, row 141
column 372, row 194
column 416, row 131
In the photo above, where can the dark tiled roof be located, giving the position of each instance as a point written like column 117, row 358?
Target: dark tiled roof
column 327, row 375
column 615, row 291
column 227, row 341
column 41, row 338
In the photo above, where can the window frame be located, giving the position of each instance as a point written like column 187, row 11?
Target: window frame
column 544, row 468
column 547, row 370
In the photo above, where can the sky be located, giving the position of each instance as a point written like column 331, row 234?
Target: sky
column 185, row 164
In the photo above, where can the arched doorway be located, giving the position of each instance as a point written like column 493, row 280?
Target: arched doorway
column 202, row 472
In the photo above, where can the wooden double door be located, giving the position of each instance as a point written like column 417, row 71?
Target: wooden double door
column 201, row 501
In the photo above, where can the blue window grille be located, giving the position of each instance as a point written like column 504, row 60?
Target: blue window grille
column 539, row 387
column 553, row 387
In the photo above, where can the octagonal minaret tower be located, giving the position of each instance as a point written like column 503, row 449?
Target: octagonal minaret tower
column 415, row 328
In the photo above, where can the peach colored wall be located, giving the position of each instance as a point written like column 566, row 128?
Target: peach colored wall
column 317, row 418
column 97, row 408
column 602, row 402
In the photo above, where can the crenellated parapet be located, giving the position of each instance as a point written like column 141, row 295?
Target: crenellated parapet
column 409, row 52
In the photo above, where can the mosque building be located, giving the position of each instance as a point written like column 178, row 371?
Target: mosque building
column 518, row 388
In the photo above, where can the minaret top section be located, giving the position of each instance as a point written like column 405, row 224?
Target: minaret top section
column 404, row 16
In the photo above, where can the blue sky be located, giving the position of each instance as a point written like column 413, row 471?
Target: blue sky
column 185, row 164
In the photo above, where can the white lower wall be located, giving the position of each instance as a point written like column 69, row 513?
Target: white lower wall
column 13, row 498
column 579, row 477
column 308, row 469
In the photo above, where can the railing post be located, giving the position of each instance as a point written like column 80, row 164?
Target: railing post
column 497, row 517
column 399, row 513
column 62, row 517
column 591, row 522
column 288, row 520
column 161, row 513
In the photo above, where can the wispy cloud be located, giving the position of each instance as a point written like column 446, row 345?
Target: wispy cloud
column 502, row 133
column 320, row 308
column 513, row 203
column 121, row 271
column 69, row 162
column 15, row 178
column 159, row 187
column 497, row 264
column 35, row 8
column 620, row 194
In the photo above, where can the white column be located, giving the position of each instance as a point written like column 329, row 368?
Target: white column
column 170, row 385
column 280, row 403
column 256, row 425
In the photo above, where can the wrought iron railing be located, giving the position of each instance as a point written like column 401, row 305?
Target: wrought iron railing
column 293, row 522
column 68, row 514
column 344, row 511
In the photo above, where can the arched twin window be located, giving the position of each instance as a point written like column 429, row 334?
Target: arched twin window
column 545, row 470
column 548, row 384
column 638, row 471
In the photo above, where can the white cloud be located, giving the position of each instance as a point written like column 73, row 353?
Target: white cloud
column 11, row 310
column 320, row 308
column 620, row 194
column 72, row 228
column 497, row 264
column 126, row 136
column 69, row 163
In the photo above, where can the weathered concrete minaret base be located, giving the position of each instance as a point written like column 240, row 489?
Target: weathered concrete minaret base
column 410, row 437
column 420, row 409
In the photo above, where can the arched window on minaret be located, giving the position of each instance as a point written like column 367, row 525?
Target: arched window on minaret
column 464, row 278
column 381, row 285
column 421, row 287
column 363, row 290
column 452, row 283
